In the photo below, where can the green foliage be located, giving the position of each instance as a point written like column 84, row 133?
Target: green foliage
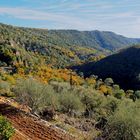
column 109, row 106
column 37, row 95
column 4, row 85
column 57, row 47
column 129, row 92
column 62, row 97
column 109, row 81
column 92, row 102
column 119, row 93
column 124, row 123
column 79, row 101
column 5, row 89
column 6, row 130
column 95, row 39
column 137, row 94
column 31, row 93
column 27, row 46
column 116, row 87
column 70, row 103
column 6, row 54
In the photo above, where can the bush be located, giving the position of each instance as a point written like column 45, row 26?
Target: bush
column 60, row 87
column 31, row 93
column 124, row 124
column 109, row 106
column 5, row 89
column 137, row 94
column 92, row 103
column 6, row 130
column 51, row 99
column 36, row 95
column 109, row 81
column 70, row 103
column 119, row 93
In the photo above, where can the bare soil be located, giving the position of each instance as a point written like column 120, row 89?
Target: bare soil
column 29, row 127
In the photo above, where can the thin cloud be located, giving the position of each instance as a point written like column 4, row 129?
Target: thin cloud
column 121, row 16
column 23, row 13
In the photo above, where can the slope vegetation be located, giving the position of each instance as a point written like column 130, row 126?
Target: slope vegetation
column 123, row 67
column 94, row 39
column 59, row 48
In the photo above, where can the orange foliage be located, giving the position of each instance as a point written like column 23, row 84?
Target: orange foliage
column 103, row 89
column 91, row 81
column 46, row 74
column 106, row 89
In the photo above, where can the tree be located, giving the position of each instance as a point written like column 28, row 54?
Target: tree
column 109, row 81
column 129, row 93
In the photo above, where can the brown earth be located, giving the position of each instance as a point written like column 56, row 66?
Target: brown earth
column 29, row 127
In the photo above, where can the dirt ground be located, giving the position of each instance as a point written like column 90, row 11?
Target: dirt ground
column 29, row 127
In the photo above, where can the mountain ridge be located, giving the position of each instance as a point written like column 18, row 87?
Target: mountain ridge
column 96, row 37
column 61, row 48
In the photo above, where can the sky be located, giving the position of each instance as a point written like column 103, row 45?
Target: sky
column 119, row 16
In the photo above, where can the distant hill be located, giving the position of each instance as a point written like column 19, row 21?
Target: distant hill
column 123, row 67
column 58, row 48
column 94, row 39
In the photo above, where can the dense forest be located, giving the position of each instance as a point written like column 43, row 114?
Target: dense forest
column 38, row 68
column 41, row 43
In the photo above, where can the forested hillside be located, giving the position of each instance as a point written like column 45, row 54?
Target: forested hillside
column 99, row 40
column 123, row 67
column 59, row 47
column 38, row 42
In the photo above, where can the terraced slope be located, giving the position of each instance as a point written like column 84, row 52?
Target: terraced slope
column 29, row 127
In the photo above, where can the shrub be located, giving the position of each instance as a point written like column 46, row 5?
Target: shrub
column 124, row 124
column 137, row 94
column 9, row 79
column 116, row 87
column 92, row 102
column 109, row 81
column 109, row 106
column 6, row 130
column 60, row 87
column 119, row 93
column 129, row 93
column 51, row 99
column 5, row 89
column 4, row 85
column 70, row 103
column 36, row 95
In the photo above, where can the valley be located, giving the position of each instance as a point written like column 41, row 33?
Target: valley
column 80, row 85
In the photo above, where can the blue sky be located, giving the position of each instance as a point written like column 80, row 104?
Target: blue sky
column 120, row 16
